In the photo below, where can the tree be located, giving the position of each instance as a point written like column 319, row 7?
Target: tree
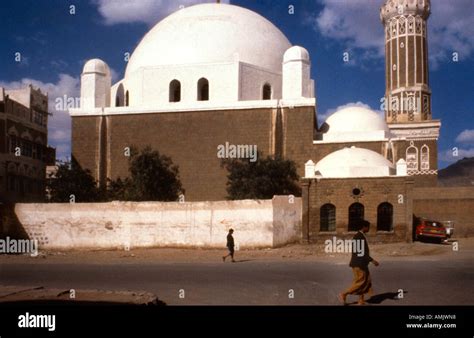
column 72, row 183
column 261, row 179
column 153, row 177
column 119, row 190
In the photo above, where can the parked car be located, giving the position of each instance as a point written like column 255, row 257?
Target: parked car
column 430, row 229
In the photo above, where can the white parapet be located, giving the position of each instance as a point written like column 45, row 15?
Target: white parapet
column 401, row 167
column 309, row 169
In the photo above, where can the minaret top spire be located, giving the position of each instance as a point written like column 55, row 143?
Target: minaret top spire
column 392, row 8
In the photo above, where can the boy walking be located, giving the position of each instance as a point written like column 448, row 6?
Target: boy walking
column 230, row 246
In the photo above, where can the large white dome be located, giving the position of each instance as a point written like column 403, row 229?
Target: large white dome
column 355, row 124
column 354, row 162
column 209, row 33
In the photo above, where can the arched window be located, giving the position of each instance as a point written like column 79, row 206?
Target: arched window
column 356, row 215
column 119, row 96
column 410, row 104
column 402, row 27
column 267, row 92
column 385, row 217
column 425, row 158
column 175, row 91
column 127, row 102
column 412, row 157
column 411, row 23
column 328, row 217
column 203, row 90
column 390, row 151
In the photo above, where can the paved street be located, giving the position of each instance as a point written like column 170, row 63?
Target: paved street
column 431, row 281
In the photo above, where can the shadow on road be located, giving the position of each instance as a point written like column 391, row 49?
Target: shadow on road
column 377, row 299
column 244, row 260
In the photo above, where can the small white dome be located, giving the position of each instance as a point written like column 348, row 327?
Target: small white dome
column 211, row 33
column 354, row 162
column 355, row 119
column 96, row 66
column 355, row 124
column 296, row 53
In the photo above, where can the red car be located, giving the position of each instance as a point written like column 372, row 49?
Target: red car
column 426, row 228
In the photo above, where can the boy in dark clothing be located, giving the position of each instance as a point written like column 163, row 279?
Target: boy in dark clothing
column 230, row 246
column 362, row 282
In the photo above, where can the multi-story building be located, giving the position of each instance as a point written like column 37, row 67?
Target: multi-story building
column 24, row 151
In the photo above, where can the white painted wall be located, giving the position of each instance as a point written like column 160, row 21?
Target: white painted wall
column 297, row 81
column 149, row 87
column 287, row 216
column 228, row 83
column 257, row 223
column 253, row 78
column 95, row 90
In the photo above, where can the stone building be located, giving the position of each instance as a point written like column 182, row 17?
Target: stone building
column 197, row 81
column 24, row 151
column 185, row 94
column 365, row 167
column 354, row 184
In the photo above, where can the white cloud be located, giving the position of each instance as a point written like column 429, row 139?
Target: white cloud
column 59, row 64
column 323, row 117
column 58, row 135
column 451, row 30
column 114, row 75
column 355, row 21
column 466, row 136
column 59, row 127
column 147, row 11
column 455, row 154
column 358, row 25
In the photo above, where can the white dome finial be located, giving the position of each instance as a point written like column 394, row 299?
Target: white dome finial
column 95, row 84
column 96, row 66
column 297, row 81
column 296, row 53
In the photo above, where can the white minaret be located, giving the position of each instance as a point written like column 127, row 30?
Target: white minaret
column 95, row 85
column 297, row 81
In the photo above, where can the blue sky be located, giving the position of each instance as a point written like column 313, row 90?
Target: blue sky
column 54, row 44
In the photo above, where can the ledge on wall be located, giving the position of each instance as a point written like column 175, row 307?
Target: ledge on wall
column 196, row 106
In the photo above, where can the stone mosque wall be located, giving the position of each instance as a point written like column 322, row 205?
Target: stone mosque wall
column 191, row 139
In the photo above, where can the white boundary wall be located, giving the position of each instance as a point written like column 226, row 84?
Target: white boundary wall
column 257, row 223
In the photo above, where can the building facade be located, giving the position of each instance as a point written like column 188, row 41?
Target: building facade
column 354, row 184
column 335, row 206
column 24, row 151
column 185, row 94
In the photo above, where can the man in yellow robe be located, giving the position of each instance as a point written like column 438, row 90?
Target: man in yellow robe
column 362, row 283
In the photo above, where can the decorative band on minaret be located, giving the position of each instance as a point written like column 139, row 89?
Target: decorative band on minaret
column 407, row 93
